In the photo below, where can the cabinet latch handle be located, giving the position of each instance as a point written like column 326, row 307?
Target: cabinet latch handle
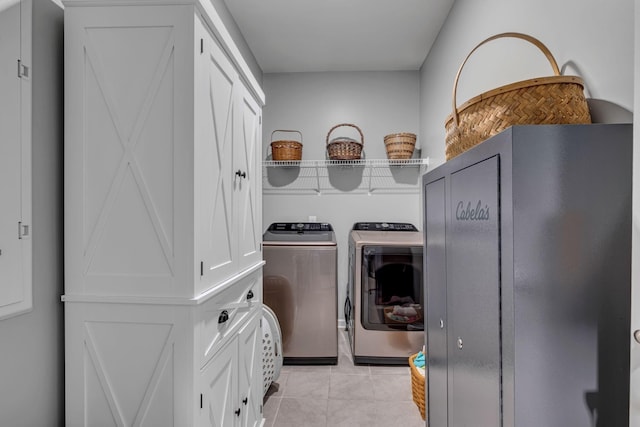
column 241, row 174
column 237, row 411
column 245, row 400
column 224, row 316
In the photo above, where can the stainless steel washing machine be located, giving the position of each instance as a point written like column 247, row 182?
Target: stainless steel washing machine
column 300, row 286
column 385, row 298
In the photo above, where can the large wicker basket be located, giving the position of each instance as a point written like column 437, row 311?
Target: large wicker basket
column 343, row 148
column 400, row 145
column 417, row 386
column 286, row 149
column 545, row 100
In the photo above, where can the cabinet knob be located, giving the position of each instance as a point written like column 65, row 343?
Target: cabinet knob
column 636, row 335
column 241, row 174
column 245, row 400
column 250, row 295
column 224, row 316
column 237, row 411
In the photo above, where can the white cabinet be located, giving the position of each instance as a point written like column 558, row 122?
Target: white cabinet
column 162, row 214
column 15, row 159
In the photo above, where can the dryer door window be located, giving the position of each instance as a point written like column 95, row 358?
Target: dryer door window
column 392, row 293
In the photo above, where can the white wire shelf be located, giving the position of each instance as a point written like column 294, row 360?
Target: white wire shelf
column 342, row 176
column 372, row 163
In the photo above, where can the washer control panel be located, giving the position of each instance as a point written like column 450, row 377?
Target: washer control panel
column 384, row 226
column 300, row 227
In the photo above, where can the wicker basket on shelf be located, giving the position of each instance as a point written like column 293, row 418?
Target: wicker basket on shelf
column 343, row 148
column 417, row 386
column 286, row 149
column 400, row 145
column 544, row 100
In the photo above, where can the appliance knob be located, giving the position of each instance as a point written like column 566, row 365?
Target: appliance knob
column 384, row 225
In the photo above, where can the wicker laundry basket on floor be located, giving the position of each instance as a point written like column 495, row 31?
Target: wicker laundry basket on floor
column 417, row 386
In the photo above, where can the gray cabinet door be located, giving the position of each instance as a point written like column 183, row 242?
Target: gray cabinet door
column 436, row 292
column 473, row 296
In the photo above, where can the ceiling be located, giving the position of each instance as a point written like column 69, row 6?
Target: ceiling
column 339, row 35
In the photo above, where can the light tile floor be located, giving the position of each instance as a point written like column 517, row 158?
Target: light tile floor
column 342, row 395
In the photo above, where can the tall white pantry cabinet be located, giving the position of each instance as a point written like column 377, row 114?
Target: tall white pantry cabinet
column 163, row 257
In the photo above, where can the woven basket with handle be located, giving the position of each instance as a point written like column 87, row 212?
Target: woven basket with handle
column 343, row 148
column 286, row 149
column 545, row 100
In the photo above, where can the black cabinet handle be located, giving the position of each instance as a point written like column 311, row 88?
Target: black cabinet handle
column 241, row 174
column 245, row 400
column 224, row 316
column 250, row 295
column 237, row 411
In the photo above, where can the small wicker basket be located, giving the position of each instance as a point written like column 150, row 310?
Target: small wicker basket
column 544, row 100
column 400, row 145
column 286, row 149
column 417, row 386
column 343, row 148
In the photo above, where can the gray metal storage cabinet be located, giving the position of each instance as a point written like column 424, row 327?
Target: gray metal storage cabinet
column 528, row 279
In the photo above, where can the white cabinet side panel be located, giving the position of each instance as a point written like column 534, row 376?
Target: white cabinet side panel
column 125, row 128
column 134, row 368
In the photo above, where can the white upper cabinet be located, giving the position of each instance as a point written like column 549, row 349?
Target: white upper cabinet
column 158, row 123
column 15, row 159
column 228, row 132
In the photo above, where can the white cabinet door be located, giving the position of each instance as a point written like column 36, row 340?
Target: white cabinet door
column 215, row 100
column 219, row 395
column 227, row 132
column 250, row 373
column 248, row 182
column 15, row 170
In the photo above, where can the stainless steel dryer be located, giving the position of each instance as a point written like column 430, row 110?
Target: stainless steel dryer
column 300, row 286
column 385, row 298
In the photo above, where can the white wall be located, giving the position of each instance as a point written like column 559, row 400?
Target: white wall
column 238, row 38
column 32, row 344
column 589, row 38
column 379, row 103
